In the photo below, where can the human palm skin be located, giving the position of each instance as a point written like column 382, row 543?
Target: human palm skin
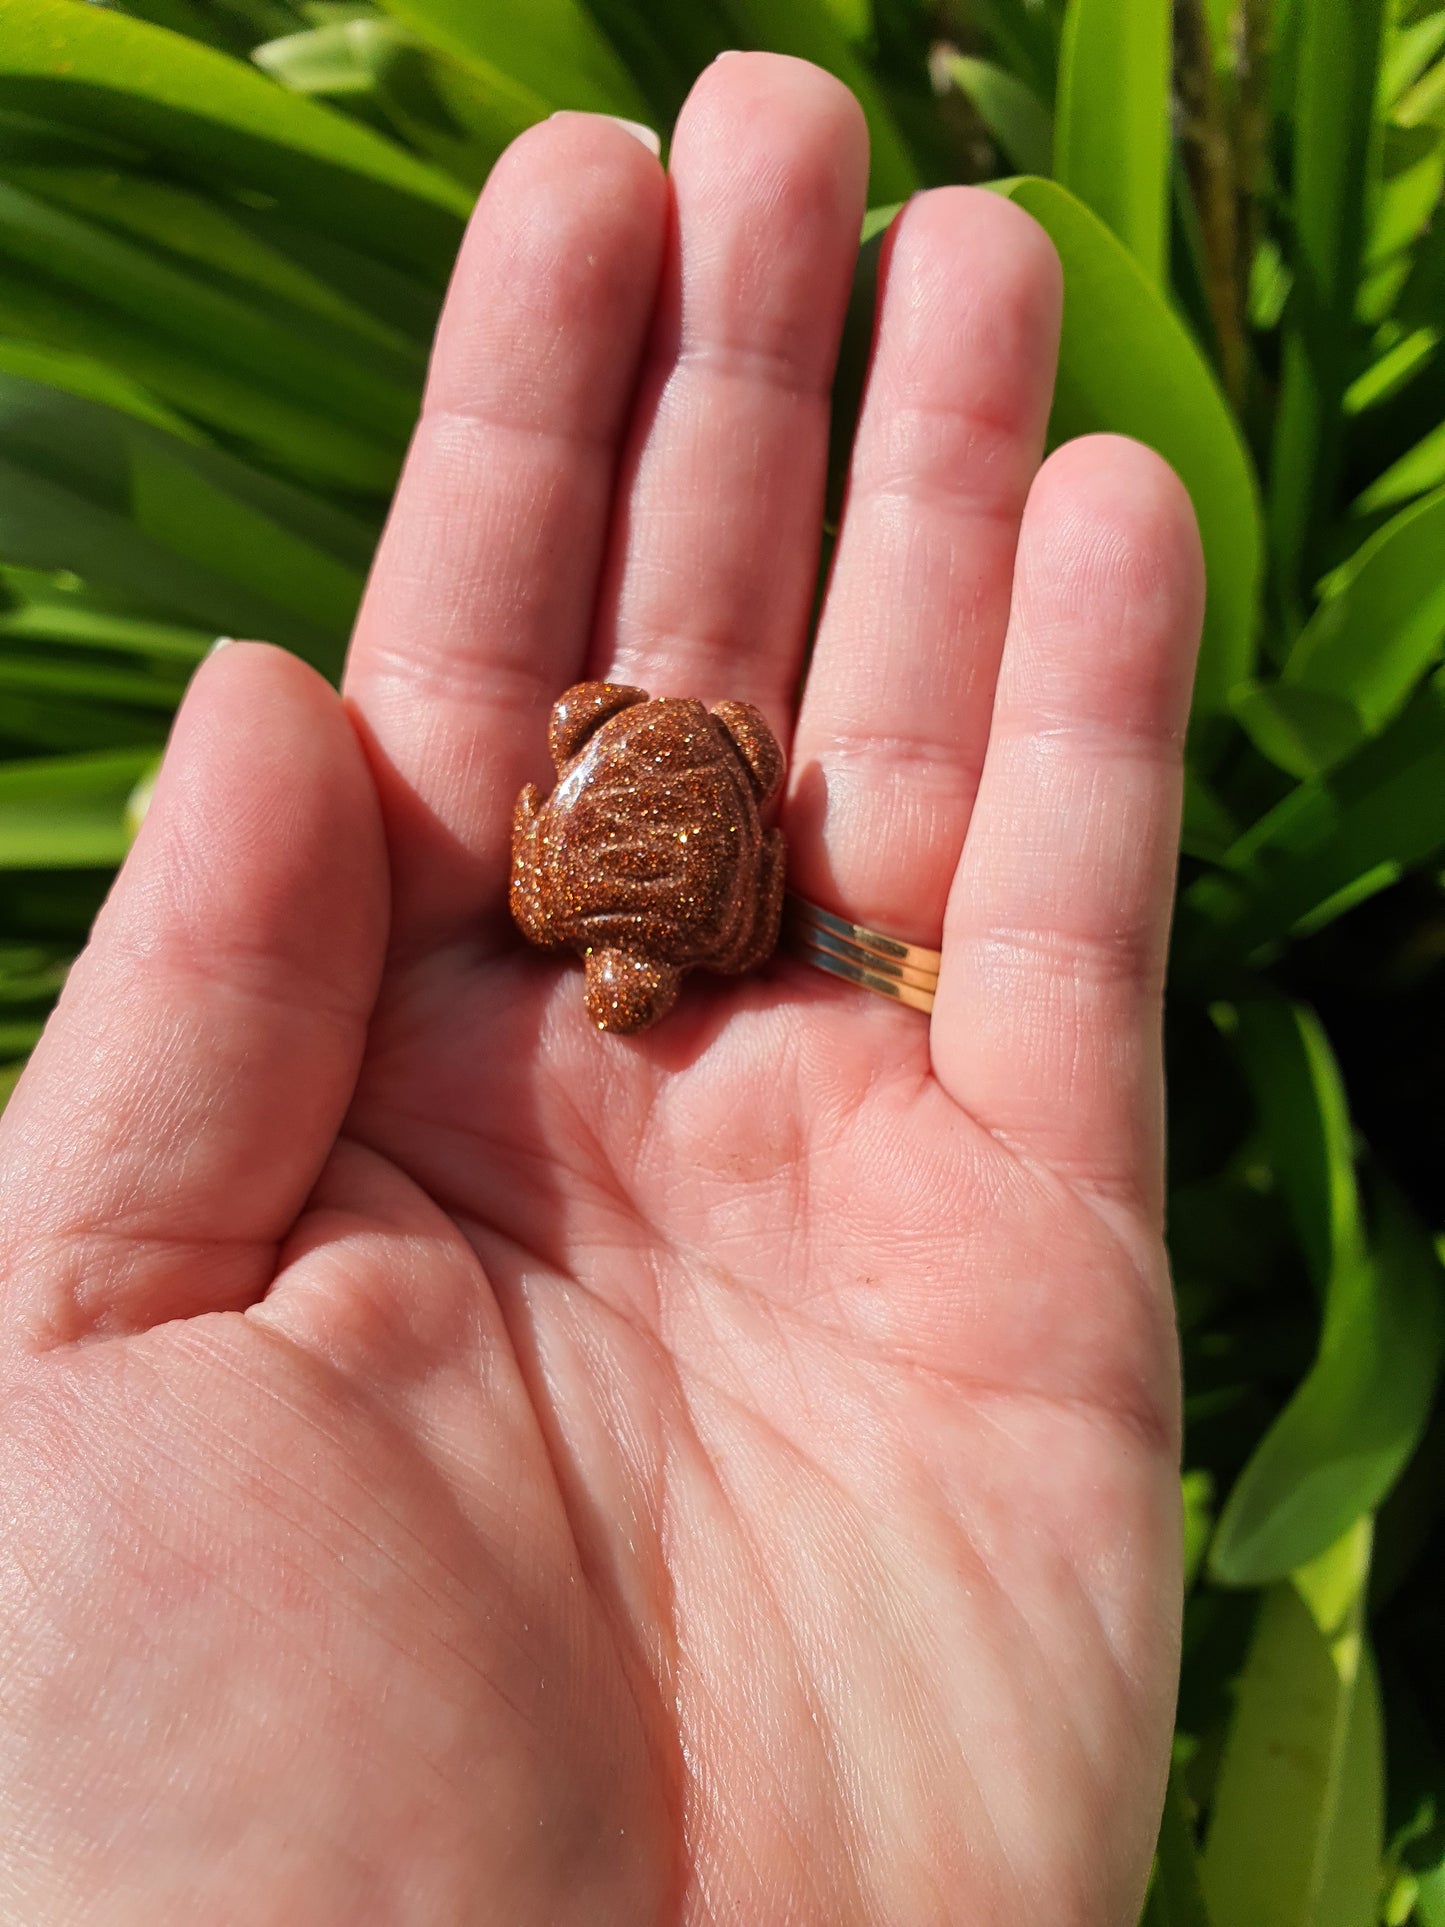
column 461, row 1467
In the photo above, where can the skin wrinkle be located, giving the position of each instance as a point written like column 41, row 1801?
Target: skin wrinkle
column 793, row 1451
column 624, row 1636
column 788, row 1446
column 462, row 1589
column 802, row 1843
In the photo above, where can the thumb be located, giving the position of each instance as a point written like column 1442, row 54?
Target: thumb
column 191, row 1082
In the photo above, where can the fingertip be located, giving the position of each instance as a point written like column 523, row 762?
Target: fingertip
column 752, row 107
column 1115, row 511
column 983, row 237
column 570, row 228
column 969, row 303
column 264, row 796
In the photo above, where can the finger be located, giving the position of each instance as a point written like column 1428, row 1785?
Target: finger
column 481, row 597
column 1047, row 1023
column 715, row 549
column 193, row 1077
column 895, row 715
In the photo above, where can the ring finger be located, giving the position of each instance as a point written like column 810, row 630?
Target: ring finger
column 895, row 716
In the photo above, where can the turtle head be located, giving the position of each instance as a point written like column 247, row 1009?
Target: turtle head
column 626, row 992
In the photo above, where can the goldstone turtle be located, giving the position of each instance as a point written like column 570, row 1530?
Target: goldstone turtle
column 649, row 856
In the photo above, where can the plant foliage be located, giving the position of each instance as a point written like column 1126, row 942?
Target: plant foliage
column 225, row 231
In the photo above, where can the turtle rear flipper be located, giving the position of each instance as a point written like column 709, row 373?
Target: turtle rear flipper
column 626, row 992
column 583, row 708
column 526, row 885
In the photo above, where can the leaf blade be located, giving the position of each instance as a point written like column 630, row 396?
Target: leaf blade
column 1111, row 132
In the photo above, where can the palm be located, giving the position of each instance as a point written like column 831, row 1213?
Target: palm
column 729, row 1472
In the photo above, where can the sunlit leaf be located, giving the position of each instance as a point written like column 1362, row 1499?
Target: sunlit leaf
column 1126, row 363
column 552, row 48
column 1111, row 120
column 1334, row 72
column 1297, row 1821
column 68, row 812
column 1382, row 623
column 225, row 123
column 1346, row 1435
column 1019, row 122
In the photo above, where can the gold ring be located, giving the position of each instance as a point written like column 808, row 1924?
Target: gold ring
column 905, row 972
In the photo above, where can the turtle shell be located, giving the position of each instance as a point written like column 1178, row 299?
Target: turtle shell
column 651, row 838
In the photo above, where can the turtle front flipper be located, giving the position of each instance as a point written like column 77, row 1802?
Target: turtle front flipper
column 583, row 708
column 756, row 745
column 626, row 992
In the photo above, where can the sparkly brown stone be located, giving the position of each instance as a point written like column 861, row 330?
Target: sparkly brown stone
column 649, row 857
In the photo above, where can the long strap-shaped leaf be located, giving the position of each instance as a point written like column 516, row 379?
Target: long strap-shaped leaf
column 1334, row 105
column 1298, row 1808
column 220, row 120
column 1111, row 120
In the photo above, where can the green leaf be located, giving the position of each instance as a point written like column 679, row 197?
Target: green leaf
column 1197, row 1491
column 1412, row 172
column 1390, row 371
column 1177, row 1895
column 1023, row 34
column 91, row 378
column 458, row 113
column 1127, row 364
column 192, row 227
column 1421, row 468
column 1208, row 830
column 68, row 812
column 1409, row 50
column 1335, row 79
column 808, row 31
column 1111, row 140
column 1331, row 842
column 1298, row 1811
column 1300, row 730
column 220, row 121
column 1380, row 626
column 1020, row 124
column 54, row 611
column 189, row 533
column 552, row 48
column 1425, row 101
column 1305, row 1122
column 199, row 520
column 1343, row 1440
column 49, row 675
column 220, row 331
column 273, row 428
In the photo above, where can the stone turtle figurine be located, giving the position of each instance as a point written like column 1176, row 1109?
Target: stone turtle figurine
column 650, row 856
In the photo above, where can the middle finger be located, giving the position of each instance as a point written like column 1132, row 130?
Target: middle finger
column 714, row 548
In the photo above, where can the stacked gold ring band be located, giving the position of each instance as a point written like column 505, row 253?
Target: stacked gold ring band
column 905, row 972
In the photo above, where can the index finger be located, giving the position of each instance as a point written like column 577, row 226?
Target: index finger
column 480, row 599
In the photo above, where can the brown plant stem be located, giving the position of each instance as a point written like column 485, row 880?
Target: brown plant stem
column 1209, row 164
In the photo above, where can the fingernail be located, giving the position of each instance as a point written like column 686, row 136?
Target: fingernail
column 221, row 642
column 726, row 54
column 649, row 136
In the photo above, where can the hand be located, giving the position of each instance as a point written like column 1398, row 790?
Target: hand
column 461, row 1467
